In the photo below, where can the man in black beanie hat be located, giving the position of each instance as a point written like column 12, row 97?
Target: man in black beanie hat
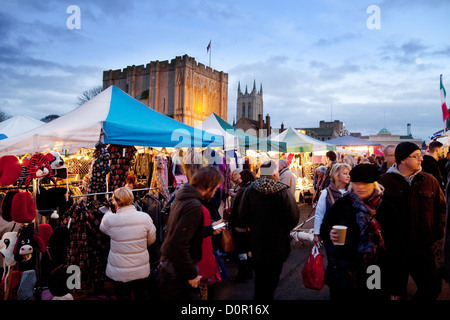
column 412, row 217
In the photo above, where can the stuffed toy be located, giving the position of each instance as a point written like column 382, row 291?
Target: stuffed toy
column 25, row 255
column 10, row 170
column 23, row 173
column 39, row 167
column 7, row 244
column 58, row 166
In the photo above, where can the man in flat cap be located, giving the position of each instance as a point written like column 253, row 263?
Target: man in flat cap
column 412, row 217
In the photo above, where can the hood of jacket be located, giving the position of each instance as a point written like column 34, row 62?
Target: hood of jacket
column 268, row 185
column 188, row 191
column 394, row 169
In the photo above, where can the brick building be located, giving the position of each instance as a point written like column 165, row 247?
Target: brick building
column 182, row 88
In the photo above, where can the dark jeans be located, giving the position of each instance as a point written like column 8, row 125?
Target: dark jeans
column 175, row 287
column 132, row 290
column 424, row 272
column 267, row 275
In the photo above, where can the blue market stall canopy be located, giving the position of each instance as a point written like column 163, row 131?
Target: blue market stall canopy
column 117, row 118
column 350, row 141
column 235, row 138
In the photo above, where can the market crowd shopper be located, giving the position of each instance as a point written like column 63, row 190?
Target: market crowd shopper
column 269, row 210
column 412, row 217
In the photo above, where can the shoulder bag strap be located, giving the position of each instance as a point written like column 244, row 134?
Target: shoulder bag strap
column 331, row 195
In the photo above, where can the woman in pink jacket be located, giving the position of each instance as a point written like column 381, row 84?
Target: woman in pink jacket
column 131, row 233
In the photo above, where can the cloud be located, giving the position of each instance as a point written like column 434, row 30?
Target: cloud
column 324, row 42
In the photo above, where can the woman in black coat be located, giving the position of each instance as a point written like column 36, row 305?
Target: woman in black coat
column 348, row 274
column 240, row 232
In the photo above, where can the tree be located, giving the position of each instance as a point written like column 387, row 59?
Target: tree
column 89, row 94
column 49, row 118
column 3, row 116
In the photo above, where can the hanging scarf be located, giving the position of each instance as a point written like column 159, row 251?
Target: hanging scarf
column 371, row 241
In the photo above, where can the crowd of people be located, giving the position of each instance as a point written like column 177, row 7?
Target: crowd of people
column 394, row 210
column 395, row 213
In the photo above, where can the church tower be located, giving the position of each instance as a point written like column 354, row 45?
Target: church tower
column 249, row 105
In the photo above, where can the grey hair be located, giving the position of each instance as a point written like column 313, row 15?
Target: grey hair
column 322, row 169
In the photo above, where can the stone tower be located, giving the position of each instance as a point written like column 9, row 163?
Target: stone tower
column 182, row 89
column 249, row 105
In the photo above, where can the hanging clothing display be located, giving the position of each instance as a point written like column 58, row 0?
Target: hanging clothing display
column 192, row 162
column 89, row 247
column 143, row 166
column 98, row 170
column 153, row 207
column 121, row 161
column 160, row 176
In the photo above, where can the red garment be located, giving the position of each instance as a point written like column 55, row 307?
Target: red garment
column 207, row 266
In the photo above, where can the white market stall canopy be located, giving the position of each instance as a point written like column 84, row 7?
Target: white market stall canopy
column 17, row 125
column 299, row 142
column 235, row 138
column 115, row 118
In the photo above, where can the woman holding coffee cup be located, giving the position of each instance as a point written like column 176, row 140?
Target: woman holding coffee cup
column 351, row 227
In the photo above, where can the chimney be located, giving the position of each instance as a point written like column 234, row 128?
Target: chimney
column 408, row 129
column 260, row 121
column 282, row 127
column 268, row 125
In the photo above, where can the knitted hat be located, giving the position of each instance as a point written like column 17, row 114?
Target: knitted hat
column 404, row 149
column 364, row 172
column 6, row 205
column 45, row 231
column 23, row 209
column 39, row 167
column 10, row 170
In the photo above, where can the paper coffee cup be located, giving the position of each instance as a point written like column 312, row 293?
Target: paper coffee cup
column 342, row 232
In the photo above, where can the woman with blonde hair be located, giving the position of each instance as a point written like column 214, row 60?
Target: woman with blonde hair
column 131, row 232
column 346, row 273
column 340, row 177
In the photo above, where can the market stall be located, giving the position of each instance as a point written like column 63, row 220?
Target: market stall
column 360, row 146
column 16, row 125
column 101, row 144
column 242, row 144
column 304, row 155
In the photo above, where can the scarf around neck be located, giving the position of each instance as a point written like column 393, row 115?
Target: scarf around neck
column 371, row 241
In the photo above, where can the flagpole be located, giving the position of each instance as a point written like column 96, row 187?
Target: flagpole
column 210, row 53
column 440, row 89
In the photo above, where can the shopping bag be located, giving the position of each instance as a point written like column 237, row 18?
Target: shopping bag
column 227, row 243
column 313, row 271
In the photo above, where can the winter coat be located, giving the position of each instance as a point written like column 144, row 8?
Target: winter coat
column 131, row 233
column 182, row 246
column 289, row 179
column 269, row 209
column 235, row 219
column 324, row 204
column 207, row 266
column 412, row 217
column 430, row 165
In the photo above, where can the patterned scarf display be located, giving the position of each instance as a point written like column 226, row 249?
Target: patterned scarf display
column 371, row 241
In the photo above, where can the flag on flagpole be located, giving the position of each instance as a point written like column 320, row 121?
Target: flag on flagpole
column 208, row 47
column 445, row 113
